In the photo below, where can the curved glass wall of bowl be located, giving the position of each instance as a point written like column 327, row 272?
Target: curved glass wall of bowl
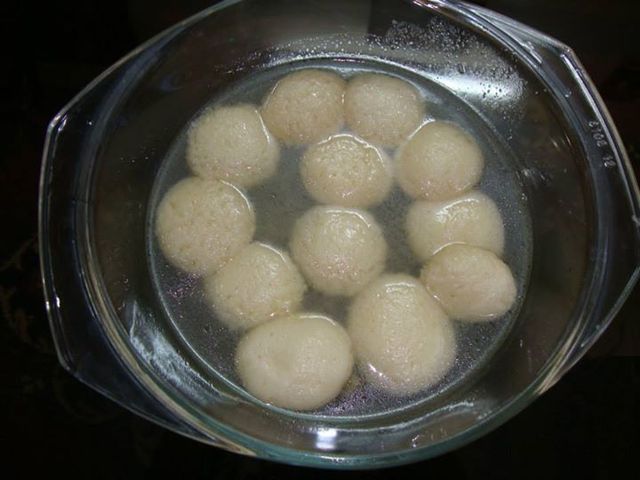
column 104, row 150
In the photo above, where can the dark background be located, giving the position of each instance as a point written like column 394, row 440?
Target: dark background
column 587, row 425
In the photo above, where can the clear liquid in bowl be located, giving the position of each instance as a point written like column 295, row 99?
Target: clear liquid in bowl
column 283, row 199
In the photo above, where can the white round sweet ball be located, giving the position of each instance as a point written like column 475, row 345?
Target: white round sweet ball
column 383, row 109
column 472, row 219
column 305, row 106
column 258, row 284
column 233, row 144
column 346, row 171
column 472, row 284
column 201, row 224
column 339, row 250
column 439, row 161
column 402, row 339
column 299, row 362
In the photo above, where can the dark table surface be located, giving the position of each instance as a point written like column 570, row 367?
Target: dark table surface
column 587, row 425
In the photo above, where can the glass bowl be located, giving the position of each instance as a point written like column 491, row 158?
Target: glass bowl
column 105, row 147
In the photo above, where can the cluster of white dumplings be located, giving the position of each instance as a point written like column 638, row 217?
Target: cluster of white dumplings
column 399, row 329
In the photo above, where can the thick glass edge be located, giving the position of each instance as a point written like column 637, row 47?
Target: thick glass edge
column 46, row 271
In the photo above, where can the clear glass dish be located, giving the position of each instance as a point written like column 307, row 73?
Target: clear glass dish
column 104, row 148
